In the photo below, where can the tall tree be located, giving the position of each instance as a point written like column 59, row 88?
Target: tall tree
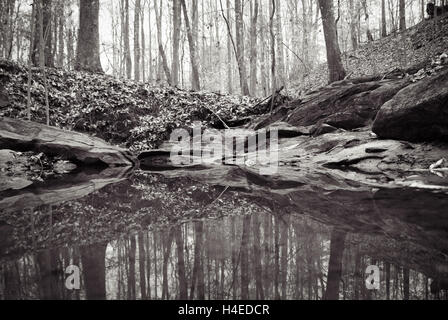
column 383, row 19
column 42, row 47
column 137, row 66
column 279, row 42
column 192, row 44
column 240, row 47
column 126, row 41
column 367, row 20
column 334, row 60
column 142, row 33
column 402, row 10
column 229, row 48
column 273, row 58
column 88, row 53
column 353, row 19
column 162, row 54
column 176, row 41
column 61, row 22
column 254, row 8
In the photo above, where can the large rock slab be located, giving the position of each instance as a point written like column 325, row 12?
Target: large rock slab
column 419, row 112
column 76, row 186
column 346, row 105
column 30, row 136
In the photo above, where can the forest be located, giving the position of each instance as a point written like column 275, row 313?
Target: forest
column 222, row 46
column 346, row 99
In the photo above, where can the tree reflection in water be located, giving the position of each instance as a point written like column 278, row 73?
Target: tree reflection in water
column 258, row 256
column 155, row 237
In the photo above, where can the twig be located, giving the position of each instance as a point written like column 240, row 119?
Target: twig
column 296, row 55
column 219, row 197
column 220, row 119
column 267, row 98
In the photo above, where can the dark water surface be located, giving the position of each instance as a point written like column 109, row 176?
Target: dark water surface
column 155, row 237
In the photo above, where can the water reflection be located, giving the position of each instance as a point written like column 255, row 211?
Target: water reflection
column 258, row 256
column 256, row 251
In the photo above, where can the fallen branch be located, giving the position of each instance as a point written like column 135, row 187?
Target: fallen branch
column 220, row 119
column 267, row 98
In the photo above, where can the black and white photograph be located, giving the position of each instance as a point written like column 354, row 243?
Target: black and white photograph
column 245, row 152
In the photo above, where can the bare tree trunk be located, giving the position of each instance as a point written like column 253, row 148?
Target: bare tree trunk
column 353, row 18
column 137, row 65
column 60, row 62
column 151, row 64
column 159, row 39
column 229, row 49
column 127, row 46
column 240, row 47
column 383, row 19
column 254, row 8
column 273, row 57
column 193, row 55
column 142, row 32
column 280, row 51
column 263, row 70
column 42, row 48
column 367, row 20
column 422, row 9
column 30, row 62
column 336, row 69
column 88, row 51
column 402, row 8
column 176, row 42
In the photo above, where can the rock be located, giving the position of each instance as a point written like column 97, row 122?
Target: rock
column 76, row 186
column 285, row 130
column 62, row 167
column 321, row 129
column 417, row 113
column 161, row 160
column 345, row 105
column 6, row 156
column 13, row 183
column 79, row 148
column 268, row 119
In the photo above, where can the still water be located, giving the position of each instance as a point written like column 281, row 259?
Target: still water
column 151, row 236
